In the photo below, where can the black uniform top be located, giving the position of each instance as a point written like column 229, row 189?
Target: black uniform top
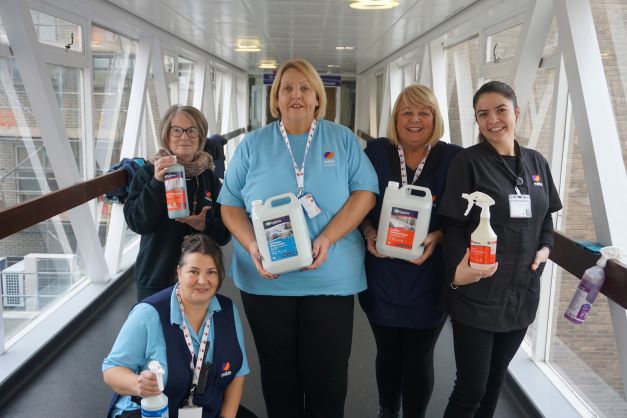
column 508, row 300
column 146, row 213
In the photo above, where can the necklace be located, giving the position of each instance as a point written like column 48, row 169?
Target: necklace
column 195, row 199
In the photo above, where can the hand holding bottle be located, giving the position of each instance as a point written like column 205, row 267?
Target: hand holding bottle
column 464, row 274
column 147, row 384
column 161, row 166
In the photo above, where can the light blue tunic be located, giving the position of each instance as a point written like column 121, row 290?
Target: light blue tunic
column 336, row 166
column 141, row 340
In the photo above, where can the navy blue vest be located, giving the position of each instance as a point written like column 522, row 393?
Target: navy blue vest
column 227, row 357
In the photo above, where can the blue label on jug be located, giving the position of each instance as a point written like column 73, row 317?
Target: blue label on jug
column 280, row 237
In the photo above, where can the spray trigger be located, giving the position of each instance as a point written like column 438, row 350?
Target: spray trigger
column 470, row 203
column 155, row 367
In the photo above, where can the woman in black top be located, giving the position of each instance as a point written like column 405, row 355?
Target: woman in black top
column 491, row 310
column 182, row 130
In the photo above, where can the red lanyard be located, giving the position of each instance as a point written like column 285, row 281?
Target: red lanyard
column 188, row 340
column 300, row 172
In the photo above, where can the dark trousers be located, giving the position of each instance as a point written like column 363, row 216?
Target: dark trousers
column 404, row 367
column 481, row 358
column 303, row 345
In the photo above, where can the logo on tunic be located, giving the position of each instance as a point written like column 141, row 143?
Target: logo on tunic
column 536, row 180
column 226, row 369
column 208, row 197
column 329, row 161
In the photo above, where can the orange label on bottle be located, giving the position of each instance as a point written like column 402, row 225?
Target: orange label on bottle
column 402, row 228
column 483, row 254
column 176, row 200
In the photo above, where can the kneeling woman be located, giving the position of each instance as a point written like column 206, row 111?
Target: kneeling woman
column 186, row 327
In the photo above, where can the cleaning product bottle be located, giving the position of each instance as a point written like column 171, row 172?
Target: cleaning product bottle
column 156, row 406
column 281, row 233
column 589, row 287
column 176, row 191
column 404, row 221
column 483, row 238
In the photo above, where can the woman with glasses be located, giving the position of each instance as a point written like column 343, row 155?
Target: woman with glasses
column 182, row 135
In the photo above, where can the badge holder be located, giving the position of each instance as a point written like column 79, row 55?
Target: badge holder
column 519, row 205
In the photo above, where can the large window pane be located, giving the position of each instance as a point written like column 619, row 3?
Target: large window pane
column 502, row 45
column 584, row 355
column 39, row 266
column 25, row 171
column 610, row 20
column 68, row 87
column 186, row 81
column 57, row 32
column 461, row 79
column 218, row 97
column 113, row 60
column 3, row 33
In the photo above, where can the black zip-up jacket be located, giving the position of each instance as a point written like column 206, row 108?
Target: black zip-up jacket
column 508, row 300
column 160, row 247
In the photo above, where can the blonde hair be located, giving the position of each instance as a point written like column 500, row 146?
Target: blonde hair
column 196, row 116
column 417, row 95
column 313, row 78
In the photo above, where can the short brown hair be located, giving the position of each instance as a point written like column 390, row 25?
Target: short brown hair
column 313, row 78
column 200, row 243
column 196, row 115
column 417, row 95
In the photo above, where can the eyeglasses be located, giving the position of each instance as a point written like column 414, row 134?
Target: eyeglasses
column 177, row 131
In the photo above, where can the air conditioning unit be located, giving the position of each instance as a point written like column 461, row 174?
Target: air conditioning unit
column 48, row 276
column 13, row 281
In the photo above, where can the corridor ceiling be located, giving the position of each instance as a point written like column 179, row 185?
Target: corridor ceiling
column 299, row 28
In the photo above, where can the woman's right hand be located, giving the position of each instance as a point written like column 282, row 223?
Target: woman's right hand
column 253, row 250
column 371, row 242
column 161, row 165
column 147, row 384
column 464, row 274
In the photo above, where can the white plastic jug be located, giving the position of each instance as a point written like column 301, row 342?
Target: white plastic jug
column 281, row 233
column 404, row 221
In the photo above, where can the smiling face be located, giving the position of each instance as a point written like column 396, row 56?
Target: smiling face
column 297, row 101
column 199, row 279
column 183, row 147
column 496, row 117
column 414, row 125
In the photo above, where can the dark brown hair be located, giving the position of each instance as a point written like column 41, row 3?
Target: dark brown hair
column 200, row 243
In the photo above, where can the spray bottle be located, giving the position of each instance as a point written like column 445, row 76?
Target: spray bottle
column 483, row 238
column 589, row 287
column 156, row 406
column 176, row 191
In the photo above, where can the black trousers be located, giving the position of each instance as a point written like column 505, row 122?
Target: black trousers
column 481, row 358
column 303, row 345
column 404, row 367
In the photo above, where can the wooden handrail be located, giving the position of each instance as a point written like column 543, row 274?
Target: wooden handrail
column 363, row 135
column 575, row 260
column 566, row 253
column 27, row 214
column 234, row 133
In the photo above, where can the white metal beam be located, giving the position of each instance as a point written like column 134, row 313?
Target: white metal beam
column 438, row 75
column 385, row 101
column 158, row 73
column 38, row 86
column 599, row 142
column 132, row 129
column 530, row 47
column 209, row 104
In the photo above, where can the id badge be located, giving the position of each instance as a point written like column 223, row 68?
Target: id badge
column 519, row 206
column 309, row 204
column 190, row 412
